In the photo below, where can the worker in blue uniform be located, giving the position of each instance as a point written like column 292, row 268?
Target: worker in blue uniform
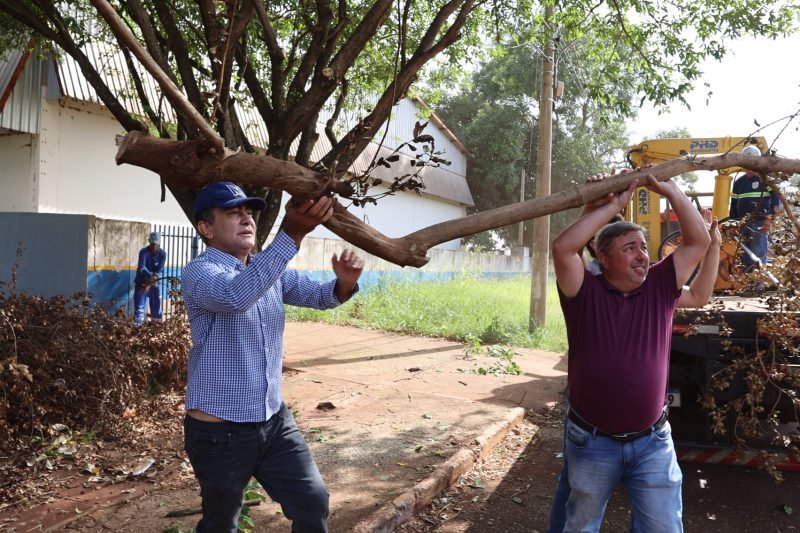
column 753, row 202
column 148, row 271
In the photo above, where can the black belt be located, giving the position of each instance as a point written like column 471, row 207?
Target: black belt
column 624, row 437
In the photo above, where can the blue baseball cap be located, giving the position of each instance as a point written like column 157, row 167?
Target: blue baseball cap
column 225, row 194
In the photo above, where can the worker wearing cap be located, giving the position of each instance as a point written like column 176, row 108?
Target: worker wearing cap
column 754, row 202
column 237, row 425
column 148, row 271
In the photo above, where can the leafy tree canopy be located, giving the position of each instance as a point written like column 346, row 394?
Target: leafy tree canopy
column 288, row 60
column 496, row 116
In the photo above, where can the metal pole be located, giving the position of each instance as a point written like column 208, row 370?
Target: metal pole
column 540, row 249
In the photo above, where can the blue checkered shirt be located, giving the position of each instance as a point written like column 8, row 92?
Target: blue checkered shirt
column 237, row 319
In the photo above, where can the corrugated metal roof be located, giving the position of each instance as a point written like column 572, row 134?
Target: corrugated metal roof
column 20, row 112
column 111, row 65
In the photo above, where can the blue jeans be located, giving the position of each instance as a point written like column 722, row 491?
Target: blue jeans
column 558, row 510
column 594, row 465
column 140, row 297
column 225, row 455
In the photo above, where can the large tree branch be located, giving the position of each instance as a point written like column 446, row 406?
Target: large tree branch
column 63, row 38
column 191, row 165
column 331, row 122
column 187, row 165
column 254, row 85
column 155, row 118
column 324, row 85
column 316, row 47
column 28, row 18
column 180, row 51
column 238, row 24
column 149, row 34
column 276, row 57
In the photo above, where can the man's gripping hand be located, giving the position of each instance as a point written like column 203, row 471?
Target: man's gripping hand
column 665, row 188
column 610, row 197
column 303, row 218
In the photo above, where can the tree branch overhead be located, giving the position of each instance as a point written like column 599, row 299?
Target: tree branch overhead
column 186, row 165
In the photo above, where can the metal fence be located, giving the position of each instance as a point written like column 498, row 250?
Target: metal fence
column 182, row 244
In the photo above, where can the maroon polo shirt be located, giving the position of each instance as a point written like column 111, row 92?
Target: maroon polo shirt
column 619, row 349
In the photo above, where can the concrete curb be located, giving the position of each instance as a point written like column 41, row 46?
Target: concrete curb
column 402, row 508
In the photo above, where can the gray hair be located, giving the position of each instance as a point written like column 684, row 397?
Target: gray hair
column 609, row 232
column 206, row 215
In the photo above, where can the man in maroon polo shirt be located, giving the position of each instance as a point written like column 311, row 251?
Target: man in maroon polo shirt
column 619, row 328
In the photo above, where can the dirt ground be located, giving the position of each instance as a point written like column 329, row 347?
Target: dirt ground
column 140, row 480
column 510, row 491
column 398, row 407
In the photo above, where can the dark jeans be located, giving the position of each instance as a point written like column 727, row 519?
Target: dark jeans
column 225, row 455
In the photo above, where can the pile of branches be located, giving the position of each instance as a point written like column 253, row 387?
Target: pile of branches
column 67, row 362
column 759, row 389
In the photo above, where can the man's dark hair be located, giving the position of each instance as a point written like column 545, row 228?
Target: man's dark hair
column 207, row 215
column 609, row 232
column 590, row 248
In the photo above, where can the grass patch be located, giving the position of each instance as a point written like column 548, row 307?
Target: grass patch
column 467, row 307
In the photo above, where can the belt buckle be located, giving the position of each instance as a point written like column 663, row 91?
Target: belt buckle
column 625, row 436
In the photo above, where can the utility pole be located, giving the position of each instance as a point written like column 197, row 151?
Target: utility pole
column 521, row 199
column 540, row 249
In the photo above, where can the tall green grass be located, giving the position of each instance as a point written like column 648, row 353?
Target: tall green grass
column 466, row 308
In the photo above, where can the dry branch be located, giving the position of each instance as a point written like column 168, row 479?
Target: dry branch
column 782, row 200
column 188, row 165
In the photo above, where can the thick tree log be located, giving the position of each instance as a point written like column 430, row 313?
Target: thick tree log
column 580, row 195
column 189, row 165
column 193, row 164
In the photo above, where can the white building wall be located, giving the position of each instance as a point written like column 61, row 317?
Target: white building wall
column 398, row 215
column 406, row 115
column 16, row 176
column 78, row 173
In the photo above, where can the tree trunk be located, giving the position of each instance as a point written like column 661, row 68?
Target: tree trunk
column 190, row 165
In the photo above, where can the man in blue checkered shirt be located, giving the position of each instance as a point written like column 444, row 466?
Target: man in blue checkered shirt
column 236, row 425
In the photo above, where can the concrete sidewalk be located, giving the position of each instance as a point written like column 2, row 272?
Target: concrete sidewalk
column 392, row 420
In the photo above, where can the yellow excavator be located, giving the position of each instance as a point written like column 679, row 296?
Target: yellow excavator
column 703, row 345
